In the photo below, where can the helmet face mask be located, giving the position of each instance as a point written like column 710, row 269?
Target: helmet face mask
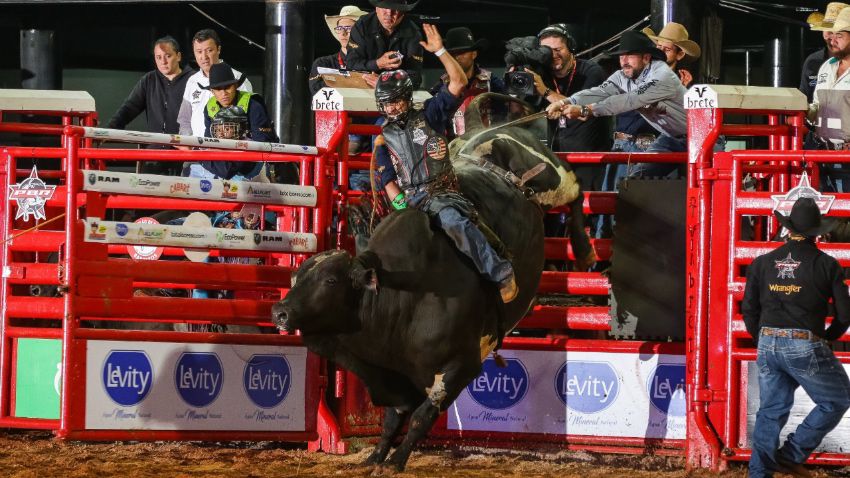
column 394, row 92
column 229, row 123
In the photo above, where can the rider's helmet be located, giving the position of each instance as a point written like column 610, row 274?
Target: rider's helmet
column 393, row 86
column 230, row 123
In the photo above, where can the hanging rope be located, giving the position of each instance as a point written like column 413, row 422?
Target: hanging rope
column 615, row 37
column 250, row 42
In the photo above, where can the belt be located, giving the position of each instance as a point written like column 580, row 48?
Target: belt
column 790, row 334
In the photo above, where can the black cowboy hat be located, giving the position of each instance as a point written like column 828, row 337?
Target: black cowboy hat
column 221, row 76
column 460, row 39
column 400, row 5
column 634, row 41
column 806, row 219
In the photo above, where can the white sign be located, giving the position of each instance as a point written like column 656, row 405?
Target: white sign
column 175, row 386
column 197, row 188
column 576, row 393
column 327, row 99
column 701, row 97
column 113, row 232
column 145, row 253
column 31, row 194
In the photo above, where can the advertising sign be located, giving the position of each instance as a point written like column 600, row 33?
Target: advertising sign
column 175, row 386
column 576, row 393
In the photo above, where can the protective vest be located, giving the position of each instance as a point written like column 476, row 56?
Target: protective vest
column 420, row 155
column 480, row 83
column 832, row 95
column 243, row 99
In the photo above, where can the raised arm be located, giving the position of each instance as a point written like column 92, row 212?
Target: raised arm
column 434, row 43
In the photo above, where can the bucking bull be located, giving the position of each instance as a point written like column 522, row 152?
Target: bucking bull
column 410, row 315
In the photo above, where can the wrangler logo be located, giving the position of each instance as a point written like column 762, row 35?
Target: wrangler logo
column 784, row 289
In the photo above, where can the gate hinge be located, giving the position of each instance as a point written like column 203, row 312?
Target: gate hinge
column 714, row 174
column 708, row 395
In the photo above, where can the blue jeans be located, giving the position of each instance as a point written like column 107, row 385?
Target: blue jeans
column 471, row 242
column 784, row 364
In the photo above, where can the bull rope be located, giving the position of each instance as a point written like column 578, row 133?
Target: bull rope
column 34, row 228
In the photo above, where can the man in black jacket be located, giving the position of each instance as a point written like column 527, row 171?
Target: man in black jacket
column 386, row 40
column 785, row 306
column 158, row 94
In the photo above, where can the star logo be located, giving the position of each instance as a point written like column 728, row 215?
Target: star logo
column 31, row 195
column 784, row 202
column 787, row 267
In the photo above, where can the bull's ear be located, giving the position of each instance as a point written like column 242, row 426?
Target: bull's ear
column 363, row 278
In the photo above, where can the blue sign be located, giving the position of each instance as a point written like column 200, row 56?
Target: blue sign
column 198, row 378
column 127, row 376
column 267, row 379
column 667, row 389
column 121, row 229
column 587, row 387
column 206, row 185
column 499, row 388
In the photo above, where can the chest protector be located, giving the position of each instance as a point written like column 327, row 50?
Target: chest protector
column 420, row 155
column 833, row 121
column 243, row 99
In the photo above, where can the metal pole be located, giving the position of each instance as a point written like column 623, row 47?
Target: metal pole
column 286, row 69
column 39, row 60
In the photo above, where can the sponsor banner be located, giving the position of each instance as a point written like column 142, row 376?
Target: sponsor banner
column 174, row 139
column 576, row 393
column 159, row 235
column 38, row 378
column 834, row 442
column 175, row 386
column 196, row 188
column 328, row 99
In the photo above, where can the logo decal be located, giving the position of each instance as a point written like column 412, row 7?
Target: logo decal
column 786, row 267
column 267, row 380
column 784, row 203
column 419, row 136
column 121, row 229
column 31, row 195
column 435, row 147
column 127, row 376
column 198, row 378
column 206, row 185
column 587, row 387
column 667, row 389
column 499, row 388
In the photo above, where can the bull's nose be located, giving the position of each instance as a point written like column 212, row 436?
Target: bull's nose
column 280, row 317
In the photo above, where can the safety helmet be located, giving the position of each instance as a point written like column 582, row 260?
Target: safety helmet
column 393, row 86
column 229, row 123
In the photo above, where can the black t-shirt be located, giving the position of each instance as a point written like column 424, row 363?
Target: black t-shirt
column 809, row 78
column 577, row 135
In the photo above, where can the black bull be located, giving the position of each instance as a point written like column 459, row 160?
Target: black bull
column 410, row 316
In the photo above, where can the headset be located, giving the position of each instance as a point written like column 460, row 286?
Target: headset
column 561, row 30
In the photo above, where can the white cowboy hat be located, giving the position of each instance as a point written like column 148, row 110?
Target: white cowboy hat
column 832, row 11
column 677, row 34
column 842, row 22
column 348, row 11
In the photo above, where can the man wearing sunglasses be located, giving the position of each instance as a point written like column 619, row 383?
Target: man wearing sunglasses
column 340, row 25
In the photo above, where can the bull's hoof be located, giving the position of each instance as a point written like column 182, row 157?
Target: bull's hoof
column 385, row 469
column 374, row 459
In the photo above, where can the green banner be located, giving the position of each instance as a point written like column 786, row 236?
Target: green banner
column 38, row 378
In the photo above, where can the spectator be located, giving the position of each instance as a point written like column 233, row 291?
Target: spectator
column 461, row 44
column 786, row 301
column 233, row 114
column 340, row 26
column 158, row 93
column 207, row 47
column 386, row 40
column 678, row 48
column 644, row 83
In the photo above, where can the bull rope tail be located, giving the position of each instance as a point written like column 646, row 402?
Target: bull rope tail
column 379, row 141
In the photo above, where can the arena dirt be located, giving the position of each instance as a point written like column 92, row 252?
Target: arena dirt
column 37, row 454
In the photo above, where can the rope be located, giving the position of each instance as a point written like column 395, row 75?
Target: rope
column 250, row 42
column 33, row 228
column 615, row 37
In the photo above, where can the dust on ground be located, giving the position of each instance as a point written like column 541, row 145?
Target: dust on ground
column 38, row 454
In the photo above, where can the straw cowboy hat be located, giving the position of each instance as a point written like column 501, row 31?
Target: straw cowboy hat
column 832, row 11
column 677, row 34
column 348, row 11
column 842, row 23
column 814, row 19
column 806, row 219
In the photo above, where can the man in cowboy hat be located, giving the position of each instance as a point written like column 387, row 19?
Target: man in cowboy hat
column 644, row 83
column 206, row 45
column 785, row 306
column 340, row 26
column 819, row 22
column 678, row 48
column 228, row 101
column 462, row 45
column 386, row 40
column 829, row 110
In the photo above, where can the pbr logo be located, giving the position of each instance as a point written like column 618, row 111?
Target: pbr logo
column 499, row 388
column 206, row 185
column 587, row 387
column 127, row 376
column 784, row 202
column 31, row 195
column 198, row 378
column 267, row 380
column 667, row 389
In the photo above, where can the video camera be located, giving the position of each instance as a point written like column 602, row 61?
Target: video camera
column 522, row 53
